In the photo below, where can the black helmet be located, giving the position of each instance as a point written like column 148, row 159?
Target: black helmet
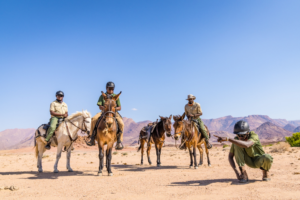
column 60, row 93
column 241, row 127
column 110, row 84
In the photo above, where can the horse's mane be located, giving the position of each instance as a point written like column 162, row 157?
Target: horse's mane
column 78, row 113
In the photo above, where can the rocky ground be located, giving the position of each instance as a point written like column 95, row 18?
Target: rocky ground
column 173, row 180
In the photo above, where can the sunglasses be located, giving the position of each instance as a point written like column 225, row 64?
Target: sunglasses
column 241, row 135
column 110, row 88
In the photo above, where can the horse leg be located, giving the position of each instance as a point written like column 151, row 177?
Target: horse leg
column 101, row 157
column 40, row 148
column 68, row 158
column 207, row 154
column 148, row 153
column 191, row 157
column 108, row 160
column 195, row 156
column 157, row 155
column 58, row 155
column 142, row 151
column 201, row 154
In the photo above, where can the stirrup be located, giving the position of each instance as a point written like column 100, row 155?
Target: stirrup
column 208, row 144
column 91, row 142
column 119, row 148
column 48, row 146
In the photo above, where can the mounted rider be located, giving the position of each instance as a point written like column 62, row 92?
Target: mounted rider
column 58, row 111
column 193, row 112
column 110, row 86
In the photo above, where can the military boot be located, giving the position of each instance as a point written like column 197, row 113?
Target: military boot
column 208, row 145
column 244, row 175
column 266, row 176
column 48, row 145
column 119, row 145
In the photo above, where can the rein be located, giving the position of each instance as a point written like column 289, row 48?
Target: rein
column 186, row 139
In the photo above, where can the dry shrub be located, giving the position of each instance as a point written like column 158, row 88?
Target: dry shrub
column 280, row 148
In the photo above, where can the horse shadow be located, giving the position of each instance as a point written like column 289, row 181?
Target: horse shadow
column 140, row 168
column 47, row 175
column 211, row 181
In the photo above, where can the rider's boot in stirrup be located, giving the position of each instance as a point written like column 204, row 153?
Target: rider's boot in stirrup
column 119, row 145
column 208, row 145
column 91, row 142
column 48, row 145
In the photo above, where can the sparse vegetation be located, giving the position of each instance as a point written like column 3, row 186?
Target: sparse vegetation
column 45, row 156
column 115, row 153
column 124, row 154
column 226, row 145
column 280, row 148
column 294, row 140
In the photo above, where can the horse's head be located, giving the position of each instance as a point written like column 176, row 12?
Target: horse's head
column 179, row 126
column 110, row 108
column 86, row 120
column 167, row 124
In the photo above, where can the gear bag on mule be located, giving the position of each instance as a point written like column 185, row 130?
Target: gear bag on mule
column 148, row 130
column 47, row 126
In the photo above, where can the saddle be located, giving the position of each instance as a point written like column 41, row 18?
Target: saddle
column 46, row 126
column 148, row 130
column 98, row 122
column 196, row 122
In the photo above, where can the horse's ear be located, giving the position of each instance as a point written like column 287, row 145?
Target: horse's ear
column 170, row 117
column 162, row 118
column 174, row 118
column 183, row 116
column 104, row 95
column 117, row 96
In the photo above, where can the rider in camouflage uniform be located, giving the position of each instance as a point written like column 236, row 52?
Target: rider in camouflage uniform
column 110, row 86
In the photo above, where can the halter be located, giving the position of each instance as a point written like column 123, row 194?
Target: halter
column 109, row 111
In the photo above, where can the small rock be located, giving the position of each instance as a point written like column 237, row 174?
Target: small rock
column 296, row 173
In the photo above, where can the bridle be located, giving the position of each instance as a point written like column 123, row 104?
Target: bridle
column 109, row 111
column 82, row 130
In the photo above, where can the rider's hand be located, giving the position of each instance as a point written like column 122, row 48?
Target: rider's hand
column 221, row 139
column 65, row 115
column 190, row 115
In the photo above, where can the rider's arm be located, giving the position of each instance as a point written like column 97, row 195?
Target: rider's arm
column 240, row 143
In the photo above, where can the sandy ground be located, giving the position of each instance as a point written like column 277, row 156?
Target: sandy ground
column 173, row 180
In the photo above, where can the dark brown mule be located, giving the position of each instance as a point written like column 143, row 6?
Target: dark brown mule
column 157, row 138
column 192, row 138
column 107, row 132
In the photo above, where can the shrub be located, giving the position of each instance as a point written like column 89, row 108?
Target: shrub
column 294, row 140
column 115, row 153
column 226, row 145
column 124, row 154
column 280, row 148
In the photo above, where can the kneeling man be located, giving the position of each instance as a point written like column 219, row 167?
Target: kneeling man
column 247, row 149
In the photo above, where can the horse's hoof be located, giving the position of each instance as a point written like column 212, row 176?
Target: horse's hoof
column 158, row 165
column 196, row 167
column 191, row 166
column 110, row 174
column 70, row 170
column 209, row 165
column 150, row 163
column 55, row 171
column 99, row 173
column 40, row 170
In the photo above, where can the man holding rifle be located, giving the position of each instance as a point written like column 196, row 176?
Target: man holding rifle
column 247, row 149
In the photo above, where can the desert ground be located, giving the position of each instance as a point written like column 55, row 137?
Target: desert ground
column 173, row 180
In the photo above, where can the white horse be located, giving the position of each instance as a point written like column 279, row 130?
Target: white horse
column 72, row 124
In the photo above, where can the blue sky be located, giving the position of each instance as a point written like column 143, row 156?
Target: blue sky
column 237, row 57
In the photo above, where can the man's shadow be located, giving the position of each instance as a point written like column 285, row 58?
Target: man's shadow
column 141, row 168
column 211, row 181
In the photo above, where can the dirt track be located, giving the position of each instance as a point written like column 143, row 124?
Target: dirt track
column 173, row 180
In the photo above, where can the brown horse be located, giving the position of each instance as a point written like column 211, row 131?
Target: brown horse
column 157, row 138
column 192, row 138
column 107, row 132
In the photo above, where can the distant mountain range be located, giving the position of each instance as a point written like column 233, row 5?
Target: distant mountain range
column 268, row 129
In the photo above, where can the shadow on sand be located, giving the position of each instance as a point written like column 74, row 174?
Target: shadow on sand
column 141, row 168
column 48, row 175
column 208, row 182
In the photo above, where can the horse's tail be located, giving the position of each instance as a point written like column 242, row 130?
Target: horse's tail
column 139, row 148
